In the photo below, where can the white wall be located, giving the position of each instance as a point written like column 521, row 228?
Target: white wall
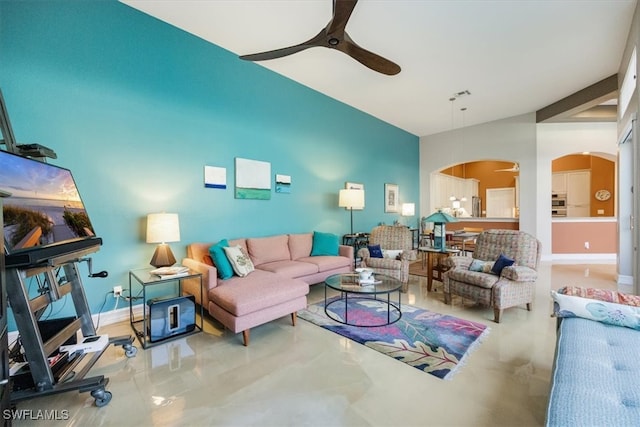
column 512, row 139
column 560, row 139
column 517, row 139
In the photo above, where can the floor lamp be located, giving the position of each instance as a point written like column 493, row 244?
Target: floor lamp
column 351, row 199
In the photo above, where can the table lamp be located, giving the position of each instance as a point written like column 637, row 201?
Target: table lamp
column 439, row 220
column 408, row 209
column 351, row 199
column 163, row 228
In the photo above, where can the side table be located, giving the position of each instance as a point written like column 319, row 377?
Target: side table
column 434, row 257
column 145, row 279
column 357, row 240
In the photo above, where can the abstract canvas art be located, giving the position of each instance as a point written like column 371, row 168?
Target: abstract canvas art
column 215, row 177
column 253, row 179
column 283, row 184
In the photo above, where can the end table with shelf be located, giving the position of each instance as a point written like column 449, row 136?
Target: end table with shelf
column 145, row 278
column 434, row 258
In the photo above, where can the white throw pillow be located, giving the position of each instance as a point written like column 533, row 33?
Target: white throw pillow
column 240, row 261
column 391, row 253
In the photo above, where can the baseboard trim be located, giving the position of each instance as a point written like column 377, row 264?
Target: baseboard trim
column 583, row 258
column 625, row 284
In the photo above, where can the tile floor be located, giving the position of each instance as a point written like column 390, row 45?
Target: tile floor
column 308, row 376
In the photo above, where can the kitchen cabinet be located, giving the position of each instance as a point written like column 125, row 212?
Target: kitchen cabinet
column 578, row 194
column 559, row 183
column 443, row 186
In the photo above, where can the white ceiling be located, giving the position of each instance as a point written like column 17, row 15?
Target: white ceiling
column 514, row 56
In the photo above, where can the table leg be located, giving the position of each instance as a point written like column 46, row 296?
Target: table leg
column 346, row 308
column 388, row 307
column 429, row 270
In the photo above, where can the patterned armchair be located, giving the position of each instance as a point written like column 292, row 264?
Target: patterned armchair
column 516, row 283
column 391, row 238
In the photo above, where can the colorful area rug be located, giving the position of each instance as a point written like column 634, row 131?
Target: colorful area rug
column 434, row 343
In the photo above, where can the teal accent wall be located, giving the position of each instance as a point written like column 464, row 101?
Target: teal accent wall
column 136, row 108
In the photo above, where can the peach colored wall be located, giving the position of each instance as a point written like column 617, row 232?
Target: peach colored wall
column 602, row 177
column 569, row 237
column 485, row 172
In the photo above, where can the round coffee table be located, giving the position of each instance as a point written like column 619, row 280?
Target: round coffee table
column 347, row 284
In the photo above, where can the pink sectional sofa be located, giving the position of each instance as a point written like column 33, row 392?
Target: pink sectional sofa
column 284, row 269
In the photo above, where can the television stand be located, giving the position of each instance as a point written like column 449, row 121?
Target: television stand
column 27, row 310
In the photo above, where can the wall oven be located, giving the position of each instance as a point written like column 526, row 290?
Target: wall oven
column 558, row 201
column 558, row 205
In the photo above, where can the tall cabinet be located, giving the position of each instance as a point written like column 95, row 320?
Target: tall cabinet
column 5, row 387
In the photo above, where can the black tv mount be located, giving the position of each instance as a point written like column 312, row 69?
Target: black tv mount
column 9, row 140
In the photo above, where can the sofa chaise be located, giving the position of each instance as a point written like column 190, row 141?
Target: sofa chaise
column 283, row 270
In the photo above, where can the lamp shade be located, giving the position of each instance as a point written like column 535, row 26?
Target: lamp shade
column 351, row 199
column 163, row 228
column 440, row 217
column 408, row 209
column 439, row 220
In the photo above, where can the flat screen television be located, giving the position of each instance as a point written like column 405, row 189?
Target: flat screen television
column 44, row 217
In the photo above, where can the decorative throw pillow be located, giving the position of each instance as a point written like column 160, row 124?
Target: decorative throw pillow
column 375, row 251
column 391, row 253
column 501, row 263
column 225, row 271
column 208, row 260
column 601, row 294
column 600, row 311
column 239, row 260
column 325, row 244
column 481, row 266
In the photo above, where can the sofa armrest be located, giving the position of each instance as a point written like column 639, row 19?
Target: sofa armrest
column 458, row 261
column 519, row 273
column 345, row 251
column 209, row 273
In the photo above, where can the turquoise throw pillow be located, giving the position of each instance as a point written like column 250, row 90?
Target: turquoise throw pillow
column 225, row 271
column 325, row 244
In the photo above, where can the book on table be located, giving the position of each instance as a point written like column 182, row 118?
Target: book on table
column 170, row 271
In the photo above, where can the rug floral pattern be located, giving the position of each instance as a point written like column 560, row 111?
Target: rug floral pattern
column 434, row 343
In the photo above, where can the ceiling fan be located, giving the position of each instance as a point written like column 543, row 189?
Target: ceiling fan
column 514, row 168
column 334, row 36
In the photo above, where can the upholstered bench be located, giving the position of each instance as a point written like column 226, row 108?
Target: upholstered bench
column 596, row 367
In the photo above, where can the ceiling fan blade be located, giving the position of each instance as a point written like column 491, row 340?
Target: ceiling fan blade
column 318, row 40
column 334, row 36
column 342, row 10
column 367, row 58
column 514, row 168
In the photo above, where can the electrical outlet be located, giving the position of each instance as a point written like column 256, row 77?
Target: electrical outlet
column 586, row 245
column 117, row 291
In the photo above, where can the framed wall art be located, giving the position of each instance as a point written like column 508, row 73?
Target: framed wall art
column 391, row 198
column 283, row 184
column 253, row 179
column 215, row 177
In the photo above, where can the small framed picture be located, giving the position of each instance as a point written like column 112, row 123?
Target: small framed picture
column 391, row 198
